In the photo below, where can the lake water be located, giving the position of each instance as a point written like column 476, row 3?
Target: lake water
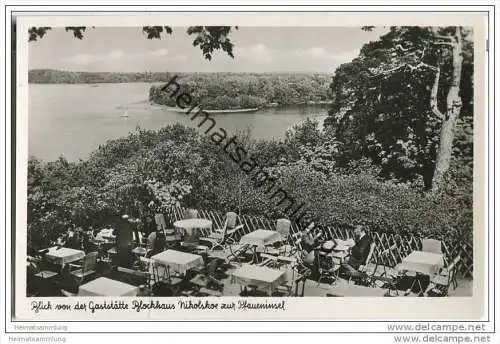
column 73, row 120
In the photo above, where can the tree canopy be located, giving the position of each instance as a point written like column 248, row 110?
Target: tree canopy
column 388, row 101
column 207, row 38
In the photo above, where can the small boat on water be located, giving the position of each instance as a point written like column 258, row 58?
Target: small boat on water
column 125, row 114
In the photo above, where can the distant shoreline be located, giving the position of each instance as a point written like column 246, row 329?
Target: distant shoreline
column 221, row 111
column 178, row 110
column 53, row 76
column 96, row 83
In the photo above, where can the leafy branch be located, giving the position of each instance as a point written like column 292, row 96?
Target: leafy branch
column 207, row 38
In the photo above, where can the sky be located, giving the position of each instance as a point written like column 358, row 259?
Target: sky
column 256, row 49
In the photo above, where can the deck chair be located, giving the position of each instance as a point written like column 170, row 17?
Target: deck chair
column 87, row 267
column 440, row 284
column 218, row 237
column 431, row 245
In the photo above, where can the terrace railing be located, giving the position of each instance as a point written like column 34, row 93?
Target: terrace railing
column 405, row 244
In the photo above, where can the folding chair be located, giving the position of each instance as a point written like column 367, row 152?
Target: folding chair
column 161, row 224
column 286, row 289
column 87, row 268
column 328, row 269
column 269, row 260
column 440, row 284
column 135, row 277
column 386, row 278
column 218, row 237
column 283, row 226
column 431, row 245
column 191, row 214
column 149, row 266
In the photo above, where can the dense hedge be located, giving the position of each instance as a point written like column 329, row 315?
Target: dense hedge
column 176, row 166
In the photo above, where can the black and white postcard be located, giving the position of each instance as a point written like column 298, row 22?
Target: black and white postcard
column 279, row 166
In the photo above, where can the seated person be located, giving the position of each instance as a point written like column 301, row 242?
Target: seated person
column 61, row 240
column 359, row 252
column 124, row 233
column 156, row 242
column 74, row 240
column 87, row 243
column 149, row 225
column 309, row 242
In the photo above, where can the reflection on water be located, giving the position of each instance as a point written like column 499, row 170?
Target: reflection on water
column 73, row 120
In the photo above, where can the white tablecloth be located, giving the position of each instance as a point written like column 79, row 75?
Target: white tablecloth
column 261, row 238
column 106, row 233
column 106, row 287
column 426, row 263
column 193, row 223
column 63, row 255
column 260, row 276
column 343, row 245
column 191, row 227
column 178, row 261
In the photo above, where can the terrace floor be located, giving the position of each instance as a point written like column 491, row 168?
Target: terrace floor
column 315, row 289
column 464, row 288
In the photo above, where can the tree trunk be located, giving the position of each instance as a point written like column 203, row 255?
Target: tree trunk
column 453, row 107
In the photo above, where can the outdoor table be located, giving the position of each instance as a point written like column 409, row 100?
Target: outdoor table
column 336, row 248
column 63, row 255
column 260, row 239
column 260, row 276
column 343, row 245
column 352, row 290
column 424, row 263
column 191, row 229
column 178, row 261
column 140, row 251
column 339, row 256
column 106, row 234
column 103, row 286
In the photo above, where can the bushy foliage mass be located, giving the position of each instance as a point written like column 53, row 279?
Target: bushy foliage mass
column 177, row 166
